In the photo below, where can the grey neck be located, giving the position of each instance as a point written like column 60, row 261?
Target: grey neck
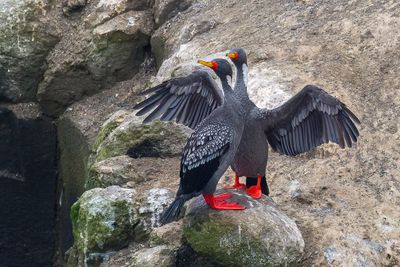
column 225, row 83
column 228, row 92
column 241, row 81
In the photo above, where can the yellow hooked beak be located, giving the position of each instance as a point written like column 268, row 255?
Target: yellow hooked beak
column 205, row 63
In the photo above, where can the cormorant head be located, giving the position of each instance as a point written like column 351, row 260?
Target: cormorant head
column 238, row 56
column 220, row 66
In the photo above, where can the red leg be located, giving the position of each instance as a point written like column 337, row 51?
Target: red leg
column 236, row 185
column 255, row 190
column 221, row 205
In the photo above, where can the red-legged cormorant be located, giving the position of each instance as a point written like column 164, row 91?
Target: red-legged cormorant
column 310, row 118
column 212, row 146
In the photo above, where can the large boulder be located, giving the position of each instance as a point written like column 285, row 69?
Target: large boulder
column 26, row 37
column 96, row 53
column 107, row 220
column 261, row 235
column 157, row 139
column 103, row 220
column 118, row 45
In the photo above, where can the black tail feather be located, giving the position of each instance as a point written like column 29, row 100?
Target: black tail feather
column 173, row 211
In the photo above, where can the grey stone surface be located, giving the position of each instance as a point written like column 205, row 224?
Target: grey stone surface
column 26, row 38
column 103, row 220
column 260, row 235
column 91, row 59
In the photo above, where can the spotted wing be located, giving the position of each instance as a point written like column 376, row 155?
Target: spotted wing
column 310, row 118
column 186, row 100
column 202, row 156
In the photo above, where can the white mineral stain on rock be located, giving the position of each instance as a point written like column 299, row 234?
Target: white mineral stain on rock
column 330, row 254
column 155, row 203
column 131, row 21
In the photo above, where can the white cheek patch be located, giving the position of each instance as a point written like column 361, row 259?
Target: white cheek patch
column 229, row 80
column 245, row 73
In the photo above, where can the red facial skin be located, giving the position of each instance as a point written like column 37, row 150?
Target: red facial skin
column 235, row 56
column 214, row 65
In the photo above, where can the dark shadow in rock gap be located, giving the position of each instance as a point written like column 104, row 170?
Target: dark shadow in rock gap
column 28, row 162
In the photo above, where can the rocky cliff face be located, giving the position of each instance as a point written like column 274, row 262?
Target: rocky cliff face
column 87, row 65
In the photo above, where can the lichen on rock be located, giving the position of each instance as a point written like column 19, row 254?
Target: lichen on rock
column 103, row 220
column 261, row 235
column 108, row 126
column 154, row 203
column 156, row 139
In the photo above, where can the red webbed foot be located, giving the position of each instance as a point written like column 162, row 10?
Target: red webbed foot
column 236, row 185
column 222, row 197
column 220, row 204
column 255, row 190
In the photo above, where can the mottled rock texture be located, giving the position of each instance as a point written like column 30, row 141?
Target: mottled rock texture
column 103, row 220
column 26, row 38
column 261, row 235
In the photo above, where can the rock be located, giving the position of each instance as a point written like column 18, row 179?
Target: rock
column 155, row 201
column 74, row 151
column 115, row 171
column 261, row 235
column 103, row 220
column 157, row 139
column 167, row 43
column 107, row 9
column 118, row 45
column 109, row 125
column 165, row 9
column 90, row 59
column 138, row 256
column 70, row 6
column 168, row 234
column 132, row 173
column 160, row 256
column 25, row 33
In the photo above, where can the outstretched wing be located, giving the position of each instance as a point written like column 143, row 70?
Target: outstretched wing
column 310, row 118
column 202, row 156
column 187, row 100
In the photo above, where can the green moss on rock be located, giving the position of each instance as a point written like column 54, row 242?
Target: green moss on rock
column 103, row 220
column 163, row 139
column 108, row 126
column 261, row 235
column 222, row 243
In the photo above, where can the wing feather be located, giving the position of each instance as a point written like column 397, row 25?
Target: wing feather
column 310, row 118
column 182, row 99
